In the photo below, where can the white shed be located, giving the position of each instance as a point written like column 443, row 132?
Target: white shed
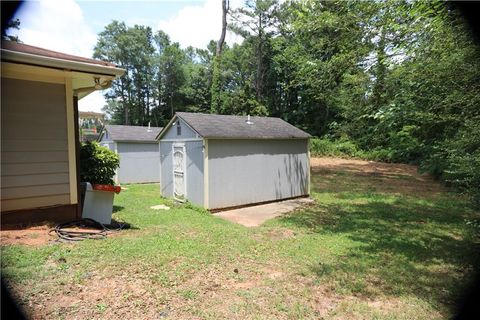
column 220, row 161
column 138, row 152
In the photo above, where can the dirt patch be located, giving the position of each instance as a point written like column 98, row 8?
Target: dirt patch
column 340, row 175
column 32, row 236
column 40, row 235
column 280, row 234
column 369, row 167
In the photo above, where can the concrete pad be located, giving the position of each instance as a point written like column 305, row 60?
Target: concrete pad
column 256, row 215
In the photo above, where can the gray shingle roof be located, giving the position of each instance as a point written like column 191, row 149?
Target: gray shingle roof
column 132, row 133
column 232, row 127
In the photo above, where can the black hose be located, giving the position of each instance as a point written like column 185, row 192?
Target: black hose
column 100, row 230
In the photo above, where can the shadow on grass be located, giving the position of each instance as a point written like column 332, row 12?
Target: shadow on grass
column 404, row 247
column 117, row 208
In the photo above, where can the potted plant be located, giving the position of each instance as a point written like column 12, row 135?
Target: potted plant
column 97, row 169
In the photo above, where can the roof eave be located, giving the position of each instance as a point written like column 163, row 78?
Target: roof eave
column 169, row 124
column 162, row 132
column 33, row 59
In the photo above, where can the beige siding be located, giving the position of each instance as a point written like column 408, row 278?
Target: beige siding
column 34, row 162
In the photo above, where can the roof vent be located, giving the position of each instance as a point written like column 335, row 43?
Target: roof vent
column 248, row 121
column 149, row 129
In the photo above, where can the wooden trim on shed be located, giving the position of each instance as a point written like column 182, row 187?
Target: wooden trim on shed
column 308, row 166
column 206, row 195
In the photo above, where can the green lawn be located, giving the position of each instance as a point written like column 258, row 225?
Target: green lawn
column 373, row 247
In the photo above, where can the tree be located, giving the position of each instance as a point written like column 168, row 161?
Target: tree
column 11, row 24
column 131, row 49
column 216, row 85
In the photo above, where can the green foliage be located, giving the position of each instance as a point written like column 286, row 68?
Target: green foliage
column 97, row 163
column 339, row 148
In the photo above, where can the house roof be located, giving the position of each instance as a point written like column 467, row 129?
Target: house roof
column 131, row 133
column 23, row 53
column 25, row 48
column 236, row 127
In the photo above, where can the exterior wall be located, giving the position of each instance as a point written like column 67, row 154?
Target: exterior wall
column 139, row 162
column 194, row 170
column 34, row 159
column 243, row 172
column 166, row 169
column 110, row 145
column 186, row 132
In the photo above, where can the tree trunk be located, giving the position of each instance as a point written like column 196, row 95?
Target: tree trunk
column 224, row 28
column 216, row 85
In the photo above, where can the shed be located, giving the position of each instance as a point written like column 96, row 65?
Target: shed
column 221, row 161
column 138, row 150
column 39, row 130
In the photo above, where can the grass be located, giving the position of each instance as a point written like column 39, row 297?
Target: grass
column 372, row 246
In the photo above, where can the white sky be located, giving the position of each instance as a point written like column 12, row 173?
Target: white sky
column 72, row 26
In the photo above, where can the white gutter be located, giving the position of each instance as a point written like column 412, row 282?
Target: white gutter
column 21, row 57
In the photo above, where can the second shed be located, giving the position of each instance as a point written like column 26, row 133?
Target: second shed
column 138, row 152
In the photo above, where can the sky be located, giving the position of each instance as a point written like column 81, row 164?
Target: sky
column 72, row 27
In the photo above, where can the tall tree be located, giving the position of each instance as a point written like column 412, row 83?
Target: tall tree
column 131, row 49
column 216, row 81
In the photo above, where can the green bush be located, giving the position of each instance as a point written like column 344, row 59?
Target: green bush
column 337, row 148
column 97, row 163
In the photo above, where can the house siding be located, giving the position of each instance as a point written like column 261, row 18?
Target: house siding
column 34, row 158
column 242, row 172
column 139, row 162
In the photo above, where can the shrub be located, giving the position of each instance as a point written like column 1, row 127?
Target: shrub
column 338, row 148
column 97, row 163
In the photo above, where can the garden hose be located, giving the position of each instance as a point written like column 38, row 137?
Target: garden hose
column 100, row 231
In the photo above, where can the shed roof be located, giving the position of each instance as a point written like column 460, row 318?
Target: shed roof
column 131, row 133
column 236, row 127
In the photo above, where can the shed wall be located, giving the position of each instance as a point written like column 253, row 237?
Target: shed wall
column 166, row 169
column 34, row 158
column 186, row 132
column 139, row 162
column 242, row 172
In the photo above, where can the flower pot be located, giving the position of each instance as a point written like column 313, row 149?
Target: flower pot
column 98, row 202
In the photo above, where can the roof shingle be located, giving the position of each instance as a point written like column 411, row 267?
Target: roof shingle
column 236, row 127
column 132, row 133
column 25, row 48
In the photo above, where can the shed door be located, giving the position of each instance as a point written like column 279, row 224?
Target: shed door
column 179, row 182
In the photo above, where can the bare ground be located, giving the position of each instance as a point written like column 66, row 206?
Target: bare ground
column 375, row 176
